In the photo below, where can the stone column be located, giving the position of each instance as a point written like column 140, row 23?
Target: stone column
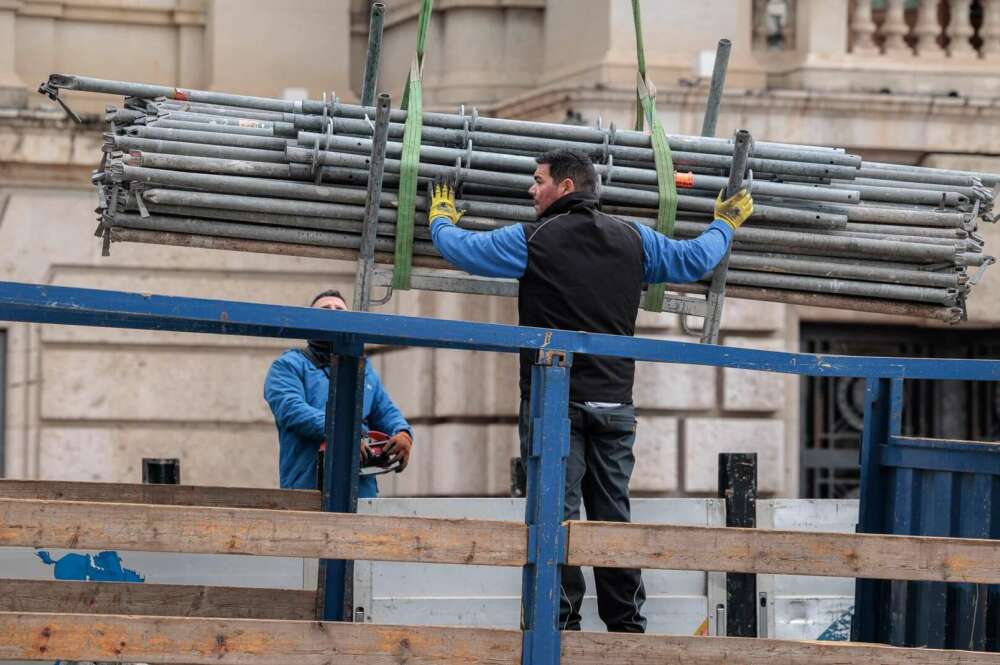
column 760, row 26
column 863, row 29
column 991, row 29
column 257, row 47
column 822, row 29
column 961, row 31
column 927, row 30
column 895, row 29
column 13, row 93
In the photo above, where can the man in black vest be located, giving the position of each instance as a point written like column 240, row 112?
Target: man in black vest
column 580, row 269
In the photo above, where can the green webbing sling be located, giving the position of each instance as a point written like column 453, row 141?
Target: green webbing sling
column 641, row 57
column 666, row 214
column 410, row 160
column 408, row 166
column 422, row 23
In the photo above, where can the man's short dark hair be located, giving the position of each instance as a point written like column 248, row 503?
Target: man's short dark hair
column 572, row 164
column 329, row 293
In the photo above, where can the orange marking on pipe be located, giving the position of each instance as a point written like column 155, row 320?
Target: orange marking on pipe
column 685, row 180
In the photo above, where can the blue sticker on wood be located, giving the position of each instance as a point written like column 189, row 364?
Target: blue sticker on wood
column 100, row 567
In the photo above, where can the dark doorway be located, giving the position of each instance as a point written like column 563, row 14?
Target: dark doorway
column 833, row 408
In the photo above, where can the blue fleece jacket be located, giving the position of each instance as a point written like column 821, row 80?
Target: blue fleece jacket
column 297, row 391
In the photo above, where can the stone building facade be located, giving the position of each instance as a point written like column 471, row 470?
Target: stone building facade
column 913, row 82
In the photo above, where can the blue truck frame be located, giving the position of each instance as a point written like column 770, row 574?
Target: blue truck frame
column 350, row 331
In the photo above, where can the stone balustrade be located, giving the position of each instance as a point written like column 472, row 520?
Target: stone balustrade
column 935, row 47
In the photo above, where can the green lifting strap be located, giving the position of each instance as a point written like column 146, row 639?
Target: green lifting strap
column 640, row 51
column 410, row 160
column 408, row 167
column 666, row 214
column 423, row 22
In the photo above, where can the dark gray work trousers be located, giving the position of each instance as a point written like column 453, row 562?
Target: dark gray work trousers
column 598, row 469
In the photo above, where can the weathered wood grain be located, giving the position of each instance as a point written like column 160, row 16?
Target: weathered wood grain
column 168, row 495
column 145, row 528
column 621, row 649
column 37, row 636
column 81, row 637
column 785, row 552
column 180, row 600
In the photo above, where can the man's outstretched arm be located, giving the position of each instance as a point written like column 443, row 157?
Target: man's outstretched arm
column 499, row 253
column 680, row 261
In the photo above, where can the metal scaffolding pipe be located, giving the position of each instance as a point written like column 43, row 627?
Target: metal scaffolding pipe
column 213, row 168
column 353, row 241
column 258, row 232
column 210, row 138
column 597, row 151
column 906, row 196
column 376, row 20
column 926, row 174
column 338, row 196
column 524, row 164
column 868, row 272
column 873, row 305
column 844, row 287
column 858, row 246
column 193, row 98
column 130, row 143
column 769, row 150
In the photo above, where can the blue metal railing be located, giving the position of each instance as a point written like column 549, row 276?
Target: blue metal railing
column 350, row 331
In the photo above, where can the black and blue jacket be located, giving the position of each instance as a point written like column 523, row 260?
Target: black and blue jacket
column 581, row 269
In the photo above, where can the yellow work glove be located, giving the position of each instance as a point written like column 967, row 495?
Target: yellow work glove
column 736, row 209
column 443, row 203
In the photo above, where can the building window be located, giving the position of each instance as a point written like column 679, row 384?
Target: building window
column 832, row 411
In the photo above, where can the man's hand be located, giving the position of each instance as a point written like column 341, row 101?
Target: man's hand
column 443, row 203
column 736, row 209
column 365, row 450
column 398, row 449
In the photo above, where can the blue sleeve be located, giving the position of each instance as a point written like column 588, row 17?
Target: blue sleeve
column 680, row 261
column 499, row 253
column 384, row 415
column 284, row 391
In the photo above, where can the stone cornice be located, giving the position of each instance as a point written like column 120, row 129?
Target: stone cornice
column 532, row 102
column 408, row 10
column 165, row 12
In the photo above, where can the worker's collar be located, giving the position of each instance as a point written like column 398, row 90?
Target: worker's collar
column 569, row 202
column 319, row 352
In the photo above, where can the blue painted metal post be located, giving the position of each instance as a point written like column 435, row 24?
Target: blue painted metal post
column 883, row 419
column 340, row 471
column 544, row 513
column 977, row 494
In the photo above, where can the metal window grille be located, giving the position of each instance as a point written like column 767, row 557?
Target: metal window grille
column 833, row 408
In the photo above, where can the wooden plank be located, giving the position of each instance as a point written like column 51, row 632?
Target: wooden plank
column 81, row 637
column 36, row 636
column 622, row 649
column 143, row 528
column 783, row 552
column 179, row 600
column 169, row 495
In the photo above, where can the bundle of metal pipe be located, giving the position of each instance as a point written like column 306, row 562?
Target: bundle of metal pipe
column 205, row 168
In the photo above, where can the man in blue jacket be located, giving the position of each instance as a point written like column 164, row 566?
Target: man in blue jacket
column 581, row 269
column 297, row 388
